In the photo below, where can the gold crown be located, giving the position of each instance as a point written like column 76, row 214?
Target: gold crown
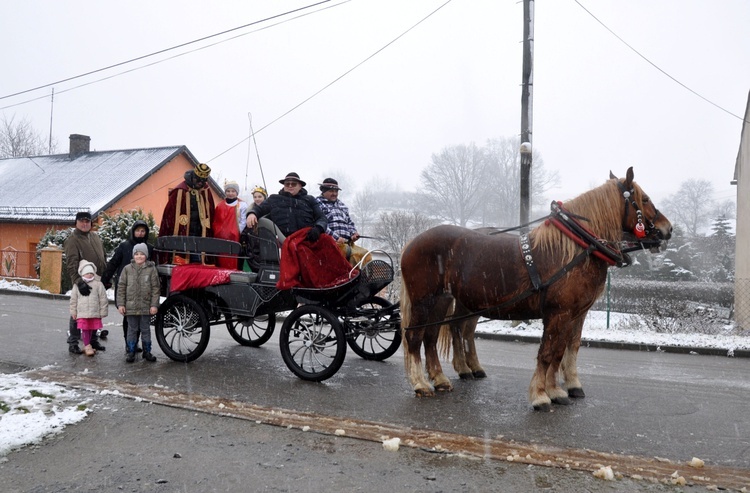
column 202, row 171
column 260, row 190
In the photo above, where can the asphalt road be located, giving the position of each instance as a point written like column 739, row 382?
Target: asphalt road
column 639, row 406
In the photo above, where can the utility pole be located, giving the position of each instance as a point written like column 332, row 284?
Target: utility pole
column 51, row 110
column 527, row 107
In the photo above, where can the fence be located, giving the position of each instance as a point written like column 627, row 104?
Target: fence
column 18, row 264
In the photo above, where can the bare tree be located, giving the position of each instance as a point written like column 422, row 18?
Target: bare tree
column 502, row 206
column 397, row 228
column 364, row 208
column 20, row 139
column 455, row 183
column 692, row 205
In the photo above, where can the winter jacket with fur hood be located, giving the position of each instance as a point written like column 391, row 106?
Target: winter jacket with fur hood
column 138, row 288
column 96, row 304
column 124, row 253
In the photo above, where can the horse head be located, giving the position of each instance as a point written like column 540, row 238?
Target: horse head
column 642, row 222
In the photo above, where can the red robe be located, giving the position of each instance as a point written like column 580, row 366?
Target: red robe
column 226, row 227
column 176, row 218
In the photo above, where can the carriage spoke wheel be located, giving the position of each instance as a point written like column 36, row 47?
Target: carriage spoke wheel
column 374, row 339
column 252, row 331
column 182, row 328
column 312, row 343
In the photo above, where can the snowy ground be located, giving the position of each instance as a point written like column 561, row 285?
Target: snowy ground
column 31, row 410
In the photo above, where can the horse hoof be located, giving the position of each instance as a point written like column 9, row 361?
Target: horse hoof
column 562, row 401
column 576, row 393
column 480, row 374
column 444, row 388
column 424, row 393
column 466, row 376
column 543, row 408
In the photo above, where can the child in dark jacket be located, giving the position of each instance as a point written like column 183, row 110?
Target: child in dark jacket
column 138, row 299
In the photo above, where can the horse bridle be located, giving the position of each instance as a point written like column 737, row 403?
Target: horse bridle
column 640, row 230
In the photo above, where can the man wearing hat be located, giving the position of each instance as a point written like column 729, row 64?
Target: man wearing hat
column 340, row 224
column 291, row 209
column 190, row 208
column 82, row 244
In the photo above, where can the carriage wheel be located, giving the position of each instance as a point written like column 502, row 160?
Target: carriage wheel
column 369, row 341
column 312, row 343
column 182, row 329
column 252, row 331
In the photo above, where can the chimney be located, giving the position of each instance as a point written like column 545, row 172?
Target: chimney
column 79, row 144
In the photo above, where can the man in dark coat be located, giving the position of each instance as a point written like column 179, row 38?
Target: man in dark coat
column 82, row 244
column 122, row 257
column 291, row 209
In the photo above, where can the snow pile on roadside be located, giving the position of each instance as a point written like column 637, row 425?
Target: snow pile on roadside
column 17, row 286
column 594, row 330
column 31, row 410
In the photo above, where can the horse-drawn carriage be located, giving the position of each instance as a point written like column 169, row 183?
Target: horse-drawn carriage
column 319, row 322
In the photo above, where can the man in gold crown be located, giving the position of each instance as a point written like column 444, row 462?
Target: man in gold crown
column 190, row 208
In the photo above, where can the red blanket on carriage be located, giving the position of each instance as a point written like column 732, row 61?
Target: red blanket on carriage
column 312, row 265
column 192, row 276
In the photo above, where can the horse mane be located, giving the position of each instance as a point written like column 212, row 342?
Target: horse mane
column 603, row 207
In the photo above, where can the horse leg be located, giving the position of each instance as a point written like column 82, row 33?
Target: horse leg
column 544, row 389
column 432, row 361
column 459, row 352
column 412, row 341
column 470, row 348
column 569, row 365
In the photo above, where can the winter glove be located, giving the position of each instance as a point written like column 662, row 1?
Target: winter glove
column 84, row 288
column 107, row 285
column 314, row 234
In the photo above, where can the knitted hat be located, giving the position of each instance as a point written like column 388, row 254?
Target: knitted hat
column 329, row 184
column 233, row 185
column 202, row 171
column 86, row 267
column 260, row 190
column 140, row 247
column 292, row 176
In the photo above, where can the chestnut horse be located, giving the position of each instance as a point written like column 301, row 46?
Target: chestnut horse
column 556, row 274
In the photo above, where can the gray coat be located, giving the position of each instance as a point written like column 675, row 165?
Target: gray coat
column 138, row 288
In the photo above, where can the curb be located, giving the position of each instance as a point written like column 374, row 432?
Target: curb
column 48, row 296
column 737, row 353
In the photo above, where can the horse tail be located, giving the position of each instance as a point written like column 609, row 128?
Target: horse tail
column 445, row 336
column 405, row 308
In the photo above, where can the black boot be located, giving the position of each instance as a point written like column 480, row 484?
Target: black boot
column 147, row 352
column 73, row 348
column 130, row 352
column 97, row 346
column 130, row 357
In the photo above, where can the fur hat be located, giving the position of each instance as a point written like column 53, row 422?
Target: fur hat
column 260, row 190
column 85, row 267
column 140, row 247
column 292, row 176
column 233, row 185
column 202, row 171
column 329, row 184
column 83, row 215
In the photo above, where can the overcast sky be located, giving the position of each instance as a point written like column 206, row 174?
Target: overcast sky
column 453, row 79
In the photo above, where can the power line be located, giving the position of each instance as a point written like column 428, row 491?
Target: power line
column 174, row 56
column 656, row 66
column 330, row 83
column 164, row 50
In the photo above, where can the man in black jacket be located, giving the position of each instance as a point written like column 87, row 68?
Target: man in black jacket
column 291, row 209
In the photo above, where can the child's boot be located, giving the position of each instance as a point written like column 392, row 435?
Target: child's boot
column 88, row 350
column 131, row 352
column 147, row 352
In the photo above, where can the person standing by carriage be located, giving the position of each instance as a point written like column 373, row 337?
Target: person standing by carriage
column 340, row 224
column 190, row 208
column 121, row 258
column 82, row 244
column 229, row 220
column 291, row 209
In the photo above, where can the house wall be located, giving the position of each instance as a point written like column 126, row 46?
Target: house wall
column 742, row 239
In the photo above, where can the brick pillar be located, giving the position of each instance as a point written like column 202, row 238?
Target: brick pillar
column 50, row 270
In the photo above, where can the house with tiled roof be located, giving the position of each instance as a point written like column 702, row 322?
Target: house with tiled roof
column 44, row 192
column 742, row 239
